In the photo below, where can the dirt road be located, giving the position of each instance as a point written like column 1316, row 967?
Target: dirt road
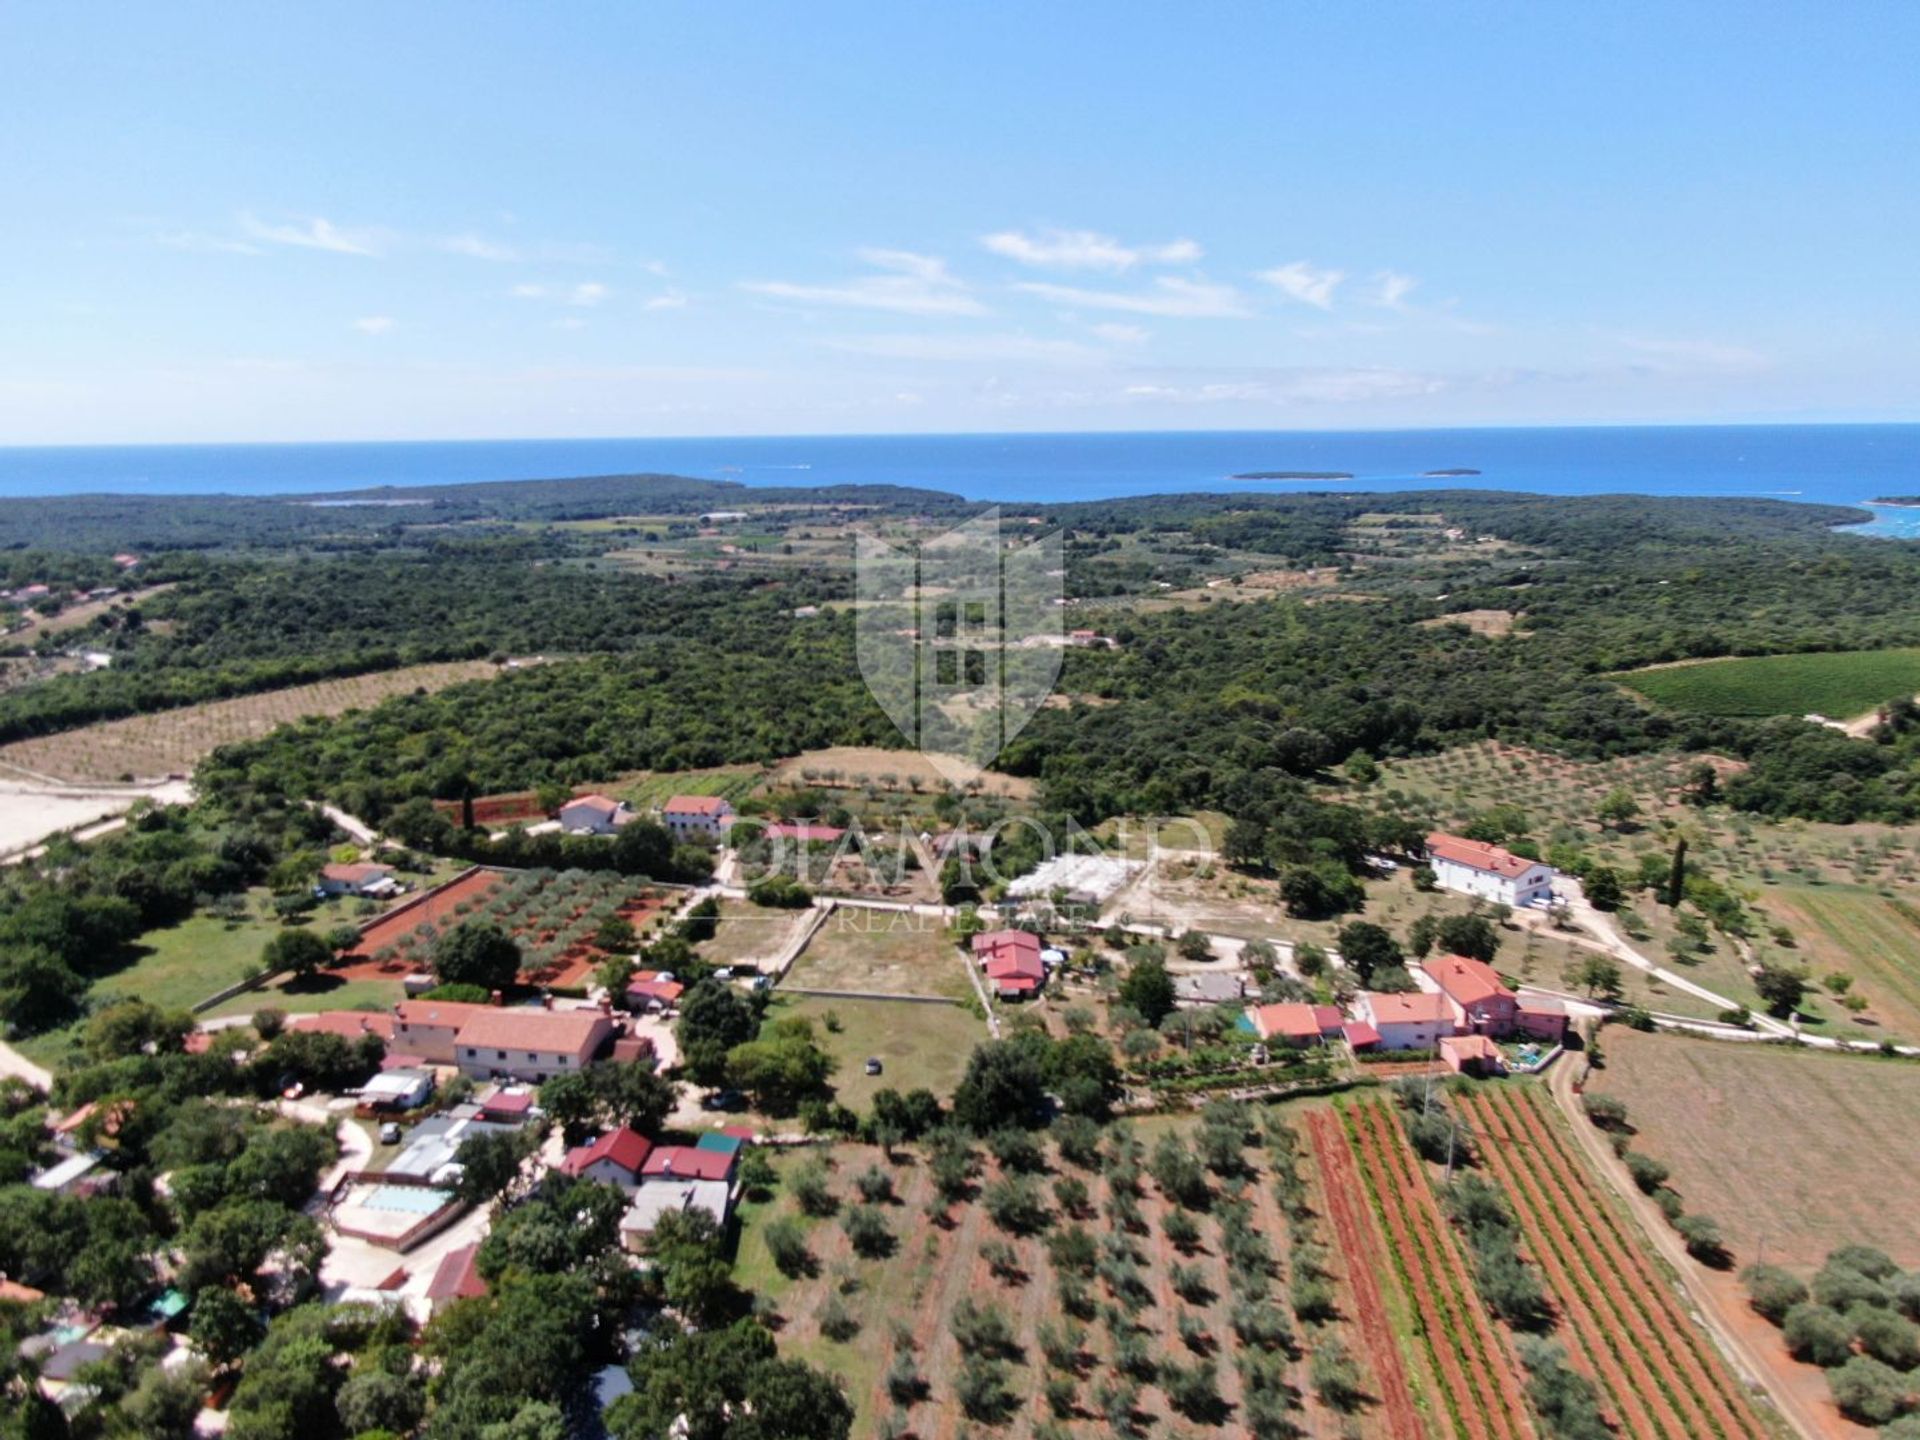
column 1799, row 1392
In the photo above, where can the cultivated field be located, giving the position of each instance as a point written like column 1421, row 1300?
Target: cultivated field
column 553, row 915
column 647, row 790
column 1838, row 684
column 882, row 952
column 1477, row 1379
column 175, row 741
column 1803, row 1149
column 1118, row 1328
column 1620, row 1318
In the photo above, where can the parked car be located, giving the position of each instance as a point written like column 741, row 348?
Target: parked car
column 390, row 1134
column 873, row 1065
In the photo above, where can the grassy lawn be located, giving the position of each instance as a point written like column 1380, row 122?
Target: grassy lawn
column 1796, row 1145
column 885, row 951
column 917, row 1044
column 1839, row 684
column 1863, row 934
column 323, row 992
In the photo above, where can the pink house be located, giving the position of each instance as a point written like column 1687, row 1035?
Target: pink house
column 1482, row 1004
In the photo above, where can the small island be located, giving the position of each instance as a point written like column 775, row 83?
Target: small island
column 1294, row 475
column 1447, row 474
column 1906, row 502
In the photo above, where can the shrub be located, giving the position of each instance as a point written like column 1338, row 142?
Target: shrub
column 875, row 1185
column 787, row 1244
column 1864, row 1259
column 1842, row 1287
column 809, row 1187
column 1773, row 1291
column 868, row 1232
column 1335, row 1378
column 1016, row 1206
column 1869, row 1390
column 1890, row 1338
column 1817, row 1334
column 1648, row 1173
column 1607, row 1111
column 1703, row 1238
column 1562, row 1396
column 836, row 1321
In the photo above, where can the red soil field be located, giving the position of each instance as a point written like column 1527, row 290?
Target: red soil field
column 1359, row 1244
column 517, row 805
column 1475, row 1369
column 1618, row 1293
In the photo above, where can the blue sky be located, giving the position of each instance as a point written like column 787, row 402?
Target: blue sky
column 278, row 222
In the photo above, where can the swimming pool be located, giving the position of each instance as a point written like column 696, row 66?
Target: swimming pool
column 410, row 1199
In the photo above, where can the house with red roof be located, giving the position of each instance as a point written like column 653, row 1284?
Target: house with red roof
column 595, row 814
column 362, row 878
column 347, row 1024
column 653, row 990
column 1481, row 1002
column 457, row 1277
column 701, row 817
column 1470, row 1055
column 615, row 1158
column 1416, row 1021
column 1011, row 962
column 1490, row 872
column 491, row 1040
column 1294, row 1022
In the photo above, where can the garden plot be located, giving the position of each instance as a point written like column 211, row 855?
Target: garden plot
column 554, row 916
column 881, row 952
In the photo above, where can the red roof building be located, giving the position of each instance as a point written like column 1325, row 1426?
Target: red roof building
column 457, row 1277
column 1360, row 1035
column 1491, row 872
column 1291, row 1023
column 1481, row 1002
column 1011, row 960
column 1470, row 1055
column 651, row 989
column 615, row 1158
column 347, row 1024
column 1417, row 1020
column 688, row 1162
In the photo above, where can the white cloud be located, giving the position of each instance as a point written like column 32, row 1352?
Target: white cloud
column 200, row 244
column 1085, row 250
column 1308, row 283
column 1289, row 387
column 1393, row 289
column 1169, row 296
column 317, row 233
column 669, row 299
column 478, row 247
column 1007, row 348
column 585, row 295
column 1696, row 355
column 910, row 284
column 374, row 324
column 1116, row 333
column 569, row 322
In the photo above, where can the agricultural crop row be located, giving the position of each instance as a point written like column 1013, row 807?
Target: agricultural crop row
column 1474, row 1370
column 1837, row 684
column 1626, row 1326
column 554, row 915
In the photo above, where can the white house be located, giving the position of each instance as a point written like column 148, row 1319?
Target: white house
column 594, row 814
column 1488, row 871
column 1416, row 1021
column 704, row 816
column 363, row 878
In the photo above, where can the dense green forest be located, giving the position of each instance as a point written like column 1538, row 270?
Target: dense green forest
column 398, row 515
column 1226, row 705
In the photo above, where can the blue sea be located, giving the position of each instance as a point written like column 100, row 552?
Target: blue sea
column 1839, row 464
